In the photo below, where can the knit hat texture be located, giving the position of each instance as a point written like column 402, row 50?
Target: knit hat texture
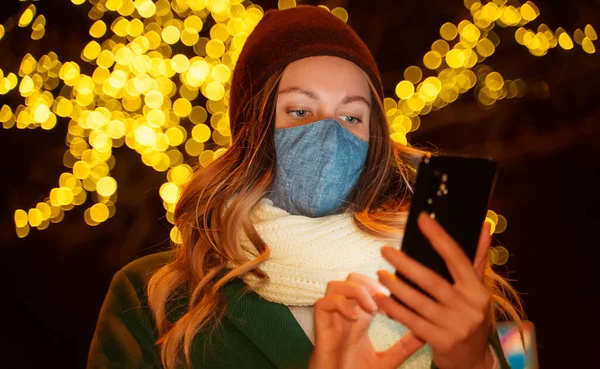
column 284, row 36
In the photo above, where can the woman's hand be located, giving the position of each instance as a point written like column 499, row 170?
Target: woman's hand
column 342, row 318
column 456, row 321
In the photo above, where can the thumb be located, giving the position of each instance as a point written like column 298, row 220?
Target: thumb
column 393, row 357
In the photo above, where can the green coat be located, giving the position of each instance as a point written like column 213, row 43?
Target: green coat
column 254, row 334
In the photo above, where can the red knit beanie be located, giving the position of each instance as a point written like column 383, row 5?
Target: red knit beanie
column 284, row 36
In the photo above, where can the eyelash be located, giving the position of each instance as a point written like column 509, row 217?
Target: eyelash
column 293, row 113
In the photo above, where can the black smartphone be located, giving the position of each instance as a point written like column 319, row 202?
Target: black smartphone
column 456, row 191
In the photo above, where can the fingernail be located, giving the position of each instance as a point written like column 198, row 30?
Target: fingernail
column 385, row 291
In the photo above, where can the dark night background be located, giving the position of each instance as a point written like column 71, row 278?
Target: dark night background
column 548, row 147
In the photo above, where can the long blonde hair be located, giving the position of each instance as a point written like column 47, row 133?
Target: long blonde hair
column 245, row 173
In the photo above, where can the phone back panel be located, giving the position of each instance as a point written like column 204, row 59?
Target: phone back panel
column 457, row 190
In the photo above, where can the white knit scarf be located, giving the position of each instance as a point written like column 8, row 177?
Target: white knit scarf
column 307, row 253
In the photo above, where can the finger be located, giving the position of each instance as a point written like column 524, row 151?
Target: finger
column 372, row 285
column 423, row 305
column 483, row 246
column 354, row 291
column 428, row 280
column 394, row 356
column 459, row 266
column 336, row 304
column 421, row 328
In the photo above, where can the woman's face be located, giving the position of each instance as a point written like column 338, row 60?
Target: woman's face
column 324, row 87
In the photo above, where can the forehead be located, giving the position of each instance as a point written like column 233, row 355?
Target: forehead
column 326, row 74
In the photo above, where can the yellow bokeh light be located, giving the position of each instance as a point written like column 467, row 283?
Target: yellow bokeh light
column 441, row 47
column 399, row 138
column 176, row 236
column 198, row 115
column 160, row 162
column 401, row 124
column 154, row 99
column 135, row 28
column 98, row 29
column 81, row 170
column 341, row 13
column 564, row 40
column 92, row 50
column 175, row 156
column 193, row 147
column 215, row 48
column 171, row 35
column 201, row 133
column 491, row 12
column 21, row 218
column 485, row 47
column 529, row 11
column 99, row 213
column 470, row 33
column 416, row 102
column 432, row 60
column 501, row 225
column 194, row 22
column 181, row 174
column 114, row 5
column 215, row 91
column 448, row 31
column 510, row 16
column 588, row 46
column 413, row 74
column 22, row 232
column 145, row 135
column 175, row 135
column 27, row 16
column 180, row 63
column 221, row 73
column 590, row 32
column 182, row 107
column 206, row 158
column 35, row 217
column 170, row 192
column 39, row 23
column 41, row 114
column 494, row 81
column 502, row 255
column 286, row 4
column 106, row 186
column 156, row 118
column 493, row 216
column 146, row 8
column 455, row 58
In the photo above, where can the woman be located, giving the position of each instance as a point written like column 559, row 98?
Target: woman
column 283, row 263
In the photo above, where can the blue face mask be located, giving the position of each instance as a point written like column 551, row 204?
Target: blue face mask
column 318, row 165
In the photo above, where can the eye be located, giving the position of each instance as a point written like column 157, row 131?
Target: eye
column 299, row 113
column 350, row 119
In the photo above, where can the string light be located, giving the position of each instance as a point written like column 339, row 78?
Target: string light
column 140, row 94
column 457, row 60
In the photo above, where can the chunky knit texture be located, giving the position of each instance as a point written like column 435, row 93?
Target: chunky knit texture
column 307, row 253
column 284, row 36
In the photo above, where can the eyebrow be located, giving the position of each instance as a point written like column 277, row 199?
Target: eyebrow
column 314, row 96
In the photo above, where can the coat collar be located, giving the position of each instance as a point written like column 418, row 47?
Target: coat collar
column 270, row 326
